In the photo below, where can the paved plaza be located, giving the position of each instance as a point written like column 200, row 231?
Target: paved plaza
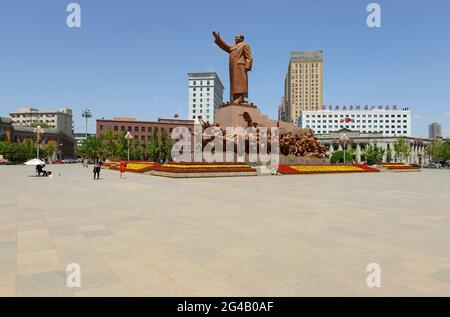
column 303, row 235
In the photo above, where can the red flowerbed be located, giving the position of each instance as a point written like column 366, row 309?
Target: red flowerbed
column 136, row 166
column 404, row 167
column 206, row 163
column 390, row 163
column 203, row 167
column 324, row 169
column 397, row 166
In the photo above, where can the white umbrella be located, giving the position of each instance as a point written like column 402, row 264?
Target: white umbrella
column 35, row 161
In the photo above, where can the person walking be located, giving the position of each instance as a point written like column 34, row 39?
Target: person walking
column 123, row 168
column 97, row 167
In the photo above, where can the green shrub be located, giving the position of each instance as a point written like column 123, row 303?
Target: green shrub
column 17, row 152
column 338, row 157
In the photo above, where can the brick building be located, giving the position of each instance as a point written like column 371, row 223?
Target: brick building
column 141, row 130
column 64, row 144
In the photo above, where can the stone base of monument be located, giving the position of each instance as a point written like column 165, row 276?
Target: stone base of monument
column 232, row 115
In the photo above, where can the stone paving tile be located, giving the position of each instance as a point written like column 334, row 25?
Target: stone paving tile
column 220, row 289
column 97, row 279
column 43, row 284
column 161, row 290
column 7, row 291
column 144, row 279
column 33, row 244
column 194, row 277
column 38, row 266
column 96, row 233
column 113, row 290
column 63, row 230
column 443, row 275
column 176, row 264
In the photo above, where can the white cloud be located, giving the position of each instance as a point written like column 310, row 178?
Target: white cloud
column 447, row 114
column 417, row 117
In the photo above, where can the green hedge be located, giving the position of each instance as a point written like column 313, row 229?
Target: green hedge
column 338, row 157
column 18, row 152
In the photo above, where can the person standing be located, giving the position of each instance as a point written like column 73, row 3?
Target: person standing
column 123, row 168
column 97, row 167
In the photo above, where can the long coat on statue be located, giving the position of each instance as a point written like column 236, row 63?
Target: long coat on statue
column 240, row 63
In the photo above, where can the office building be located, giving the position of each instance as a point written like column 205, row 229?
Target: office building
column 60, row 120
column 434, row 130
column 303, row 86
column 205, row 95
column 390, row 121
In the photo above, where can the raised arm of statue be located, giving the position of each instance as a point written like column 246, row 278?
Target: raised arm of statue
column 221, row 43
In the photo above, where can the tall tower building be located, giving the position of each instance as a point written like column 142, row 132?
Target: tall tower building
column 434, row 130
column 303, row 88
column 205, row 95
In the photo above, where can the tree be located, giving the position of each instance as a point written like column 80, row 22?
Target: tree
column 137, row 150
column 108, row 144
column 439, row 151
column 373, row 154
column 153, row 146
column 18, row 152
column 402, row 149
column 165, row 147
column 122, row 146
column 338, row 157
column 50, row 150
column 389, row 155
column 91, row 147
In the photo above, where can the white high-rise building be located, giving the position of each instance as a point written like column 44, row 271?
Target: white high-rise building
column 205, row 95
column 391, row 121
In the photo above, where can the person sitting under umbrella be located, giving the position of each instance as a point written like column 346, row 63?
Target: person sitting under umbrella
column 40, row 170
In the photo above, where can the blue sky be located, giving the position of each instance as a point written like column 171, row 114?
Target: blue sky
column 130, row 58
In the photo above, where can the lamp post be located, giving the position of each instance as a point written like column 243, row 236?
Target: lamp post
column 61, row 150
column 87, row 114
column 38, row 131
column 344, row 140
column 128, row 137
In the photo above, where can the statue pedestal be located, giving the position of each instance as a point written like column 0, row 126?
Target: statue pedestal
column 231, row 115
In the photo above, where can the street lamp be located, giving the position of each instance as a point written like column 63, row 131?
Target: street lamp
column 87, row 114
column 38, row 131
column 344, row 141
column 128, row 137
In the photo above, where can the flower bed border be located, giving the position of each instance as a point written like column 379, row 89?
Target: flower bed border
column 202, row 167
column 287, row 169
column 150, row 166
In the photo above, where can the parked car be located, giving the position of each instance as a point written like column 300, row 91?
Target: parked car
column 58, row 162
column 416, row 165
column 433, row 165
